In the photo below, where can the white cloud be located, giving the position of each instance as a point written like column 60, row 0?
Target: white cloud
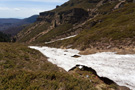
column 59, row 1
column 4, row 8
column 26, row 9
column 6, row 12
column 9, row 9
column 52, row 1
column 17, row 9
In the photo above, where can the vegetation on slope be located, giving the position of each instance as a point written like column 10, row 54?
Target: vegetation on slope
column 110, row 26
column 64, row 29
column 24, row 68
column 14, row 26
column 4, row 37
column 14, row 30
column 85, row 4
column 26, row 35
column 117, row 26
column 31, row 19
column 54, row 33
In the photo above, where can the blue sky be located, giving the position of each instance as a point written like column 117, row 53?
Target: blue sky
column 26, row 8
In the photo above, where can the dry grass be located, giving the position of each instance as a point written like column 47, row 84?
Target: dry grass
column 26, row 69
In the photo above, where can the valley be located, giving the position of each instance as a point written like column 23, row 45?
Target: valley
column 79, row 45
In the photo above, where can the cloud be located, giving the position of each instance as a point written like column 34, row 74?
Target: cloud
column 58, row 1
column 6, row 12
column 26, row 8
column 51, row 1
column 17, row 9
column 9, row 9
column 4, row 8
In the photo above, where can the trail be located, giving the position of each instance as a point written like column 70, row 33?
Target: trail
column 119, row 68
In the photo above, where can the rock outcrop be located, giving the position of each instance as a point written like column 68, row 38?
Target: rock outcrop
column 120, row 4
column 73, row 16
column 46, row 16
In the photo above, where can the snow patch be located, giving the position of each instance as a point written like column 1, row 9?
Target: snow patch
column 80, row 67
column 119, row 68
column 60, row 39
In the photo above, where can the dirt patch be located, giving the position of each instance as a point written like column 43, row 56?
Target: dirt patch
column 122, row 50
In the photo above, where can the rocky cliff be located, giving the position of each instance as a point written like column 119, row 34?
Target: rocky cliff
column 73, row 16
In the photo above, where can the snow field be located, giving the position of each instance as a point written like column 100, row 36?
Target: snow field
column 119, row 68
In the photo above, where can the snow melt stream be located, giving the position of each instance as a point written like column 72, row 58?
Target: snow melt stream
column 119, row 68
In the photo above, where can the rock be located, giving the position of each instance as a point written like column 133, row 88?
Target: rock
column 93, row 23
column 74, row 15
column 129, row 0
column 46, row 16
column 76, row 56
column 120, row 4
column 57, row 6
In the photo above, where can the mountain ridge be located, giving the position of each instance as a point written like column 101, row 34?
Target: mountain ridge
column 13, row 26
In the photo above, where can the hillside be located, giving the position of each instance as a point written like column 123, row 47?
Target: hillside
column 7, row 23
column 14, row 26
column 97, row 24
column 9, row 20
column 115, row 30
column 4, row 37
column 24, row 68
column 91, row 27
column 14, row 30
column 70, row 19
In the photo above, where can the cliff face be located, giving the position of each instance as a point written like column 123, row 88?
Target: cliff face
column 73, row 16
column 46, row 16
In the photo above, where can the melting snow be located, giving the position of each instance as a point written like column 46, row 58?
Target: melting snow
column 60, row 39
column 119, row 68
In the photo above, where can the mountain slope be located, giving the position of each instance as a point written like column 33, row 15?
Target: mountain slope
column 24, row 68
column 99, row 26
column 14, row 30
column 9, row 20
column 4, row 37
column 70, row 19
column 106, row 25
column 85, row 4
column 118, row 25
column 6, row 23
column 31, row 19
column 13, row 26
